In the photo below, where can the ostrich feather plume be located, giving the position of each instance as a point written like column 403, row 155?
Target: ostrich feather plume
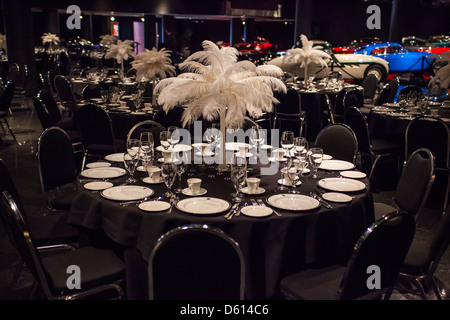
column 213, row 80
column 121, row 51
column 108, row 39
column 153, row 64
column 50, row 38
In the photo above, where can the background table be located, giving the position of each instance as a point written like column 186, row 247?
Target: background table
column 273, row 246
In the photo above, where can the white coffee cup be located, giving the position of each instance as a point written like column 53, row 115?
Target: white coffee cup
column 154, row 174
column 279, row 154
column 167, row 154
column 194, row 185
column 253, row 184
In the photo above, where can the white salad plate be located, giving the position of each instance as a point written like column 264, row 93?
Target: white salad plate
column 127, row 193
column 154, row 206
column 336, row 165
column 353, row 174
column 98, row 164
column 336, row 197
column 341, row 184
column 103, row 173
column 115, row 157
column 256, row 211
column 98, row 185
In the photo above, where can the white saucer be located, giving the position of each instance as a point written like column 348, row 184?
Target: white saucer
column 204, row 154
column 257, row 211
column 258, row 191
column 162, row 160
column 272, row 159
column 336, row 197
column 286, row 183
column 249, row 154
column 98, row 185
column 154, row 206
column 148, row 181
column 188, row 192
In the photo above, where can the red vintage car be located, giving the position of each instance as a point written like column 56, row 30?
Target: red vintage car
column 259, row 45
column 418, row 44
column 355, row 44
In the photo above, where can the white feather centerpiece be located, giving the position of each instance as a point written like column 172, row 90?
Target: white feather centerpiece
column 51, row 40
column 216, row 86
column 121, row 51
column 108, row 39
column 307, row 57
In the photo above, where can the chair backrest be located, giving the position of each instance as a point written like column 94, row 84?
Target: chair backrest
column 380, row 251
column 430, row 133
column 64, row 89
column 354, row 98
column 50, row 104
column 383, row 97
column 146, row 126
column 339, row 141
column 394, row 84
column 7, row 96
column 18, row 74
column 357, row 122
column 290, row 103
column 339, row 102
column 196, row 262
column 318, row 114
column 415, row 182
column 370, row 84
column 95, row 125
column 42, row 113
column 7, row 184
column 91, row 91
column 57, row 164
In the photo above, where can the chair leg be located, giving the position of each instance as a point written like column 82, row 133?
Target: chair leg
column 10, row 129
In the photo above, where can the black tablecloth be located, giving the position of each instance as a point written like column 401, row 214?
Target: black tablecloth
column 273, row 246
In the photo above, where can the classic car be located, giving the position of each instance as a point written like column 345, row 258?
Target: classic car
column 400, row 60
column 351, row 66
column 440, row 40
column 259, row 45
column 355, row 44
column 418, row 44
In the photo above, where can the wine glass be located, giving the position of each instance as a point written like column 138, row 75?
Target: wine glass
column 299, row 146
column 164, row 139
column 168, row 172
column 174, row 136
column 181, row 161
column 257, row 138
column 287, row 141
column 146, row 144
column 130, row 160
column 238, row 174
column 315, row 159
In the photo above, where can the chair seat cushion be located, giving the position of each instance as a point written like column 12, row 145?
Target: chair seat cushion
column 53, row 229
column 418, row 259
column 97, row 267
column 381, row 209
column 313, row 284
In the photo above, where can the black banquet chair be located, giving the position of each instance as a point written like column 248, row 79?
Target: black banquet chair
column 339, row 141
column 91, row 91
column 196, row 262
column 384, row 245
column 424, row 258
column 100, row 271
column 97, row 134
column 5, row 106
column 384, row 95
column 413, row 186
column 370, row 85
column 65, row 93
column 289, row 111
column 146, row 126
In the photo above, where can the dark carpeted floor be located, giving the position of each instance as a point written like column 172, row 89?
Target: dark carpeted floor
column 20, row 157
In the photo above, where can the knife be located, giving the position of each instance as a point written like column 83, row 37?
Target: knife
column 231, row 210
column 321, row 201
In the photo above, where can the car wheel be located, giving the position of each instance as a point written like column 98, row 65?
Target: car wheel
column 376, row 70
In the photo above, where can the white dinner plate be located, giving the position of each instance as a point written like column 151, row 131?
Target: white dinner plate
column 391, row 105
column 353, row 174
column 188, row 192
column 258, row 191
column 336, row 165
column 98, row 164
column 154, row 206
column 336, row 197
column 178, row 147
column 272, row 159
column 341, row 184
column 265, row 147
column 127, row 193
column 115, row 157
column 203, row 205
column 103, row 173
column 98, row 185
column 293, row 202
column 256, row 211
column 327, row 157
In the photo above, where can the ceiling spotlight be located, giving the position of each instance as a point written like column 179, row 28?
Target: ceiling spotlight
column 112, row 18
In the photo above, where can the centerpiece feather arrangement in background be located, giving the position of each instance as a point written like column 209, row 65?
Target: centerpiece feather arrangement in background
column 107, row 40
column 121, row 51
column 50, row 40
column 153, row 64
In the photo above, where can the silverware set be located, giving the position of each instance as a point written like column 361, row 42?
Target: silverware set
column 320, row 199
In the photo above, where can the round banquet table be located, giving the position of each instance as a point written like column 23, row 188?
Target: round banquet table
column 273, row 246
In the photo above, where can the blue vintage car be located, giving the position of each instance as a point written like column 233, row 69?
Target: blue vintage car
column 399, row 59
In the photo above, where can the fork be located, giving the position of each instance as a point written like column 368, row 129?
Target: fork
column 261, row 203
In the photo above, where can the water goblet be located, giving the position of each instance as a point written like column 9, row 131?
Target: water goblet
column 181, row 161
column 293, row 172
column 287, row 141
column 146, row 151
column 164, row 139
column 238, row 175
column 174, row 135
column 257, row 138
column 168, row 173
column 299, row 146
column 130, row 160
column 315, row 159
